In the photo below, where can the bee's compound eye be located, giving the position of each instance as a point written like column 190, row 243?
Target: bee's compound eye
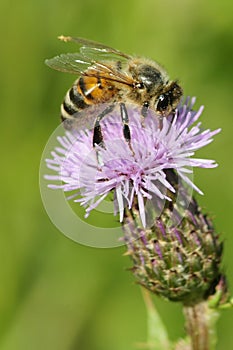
column 163, row 102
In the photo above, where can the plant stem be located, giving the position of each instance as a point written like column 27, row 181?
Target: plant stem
column 200, row 325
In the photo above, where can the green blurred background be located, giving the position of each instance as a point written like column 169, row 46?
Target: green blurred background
column 55, row 293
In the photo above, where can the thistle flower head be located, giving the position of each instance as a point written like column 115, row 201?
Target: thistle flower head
column 178, row 262
column 132, row 172
column 177, row 254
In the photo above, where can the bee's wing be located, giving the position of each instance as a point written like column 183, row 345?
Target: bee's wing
column 106, row 61
column 77, row 64
column 96, row 51
column 70, row 62
column 109, row 72
column 90, row 53
column 94, row 60
column 100, row 55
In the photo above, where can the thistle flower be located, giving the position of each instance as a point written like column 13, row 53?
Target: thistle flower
column 140, row 174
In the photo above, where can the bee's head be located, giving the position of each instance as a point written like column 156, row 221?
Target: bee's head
column 168, row 99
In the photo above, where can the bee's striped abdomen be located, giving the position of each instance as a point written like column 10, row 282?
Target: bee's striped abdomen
column 86, row 91
column 73, row 103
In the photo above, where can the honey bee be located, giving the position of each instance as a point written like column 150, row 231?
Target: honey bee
column 106, row 75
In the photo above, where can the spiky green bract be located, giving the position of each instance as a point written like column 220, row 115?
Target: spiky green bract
column 176, row 259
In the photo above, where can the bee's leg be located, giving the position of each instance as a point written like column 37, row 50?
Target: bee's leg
column 126, row 129
column 173, row 113
column 125, row 121
column 145, row 108
column 144, row 112
column 97, row 135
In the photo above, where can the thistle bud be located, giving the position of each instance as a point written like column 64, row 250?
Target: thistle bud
column 180, row 262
